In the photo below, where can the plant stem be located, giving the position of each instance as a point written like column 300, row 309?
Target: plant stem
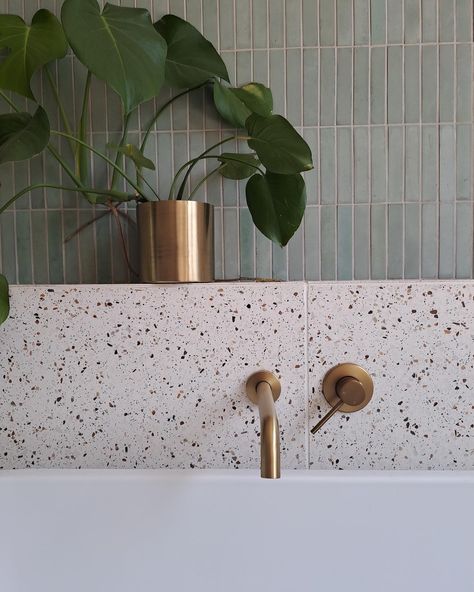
column 152, row 123
column 62, row 111
column 86, row 225
column 123, row 241
column 82, row 168
column 203, row 180
column 140, row 178
column 119, row 155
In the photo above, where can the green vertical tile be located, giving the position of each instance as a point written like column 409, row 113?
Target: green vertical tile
column 260, row 23
column 261, row 70
column 412, row 163
column 446, row 240
column 277, row 79
column 395, row 164
column 377, row 85
column 394, row 85
column 165, row 151
column 328, row 242
column 7, row 188
column 214, row 183
column 196, row 146
column 218, row 246
column 361, row 85
column 243, row 25
column 429, row 21
column 231, row 242
column 263, row 256
column 429, row 241
column 276, row 23
column 209, row 19
column 39, row 247
column 446, row 82
column 412, row 21
column 55, row 247
column 344, row 22
column 464, row 162
column 463, row 20
column 361, row 165
column 394, row 21
column 86, row 242
column 344, row 164
column 378, row 174
column 279, row 263
column 296, row 256
column 310, row 87
column 327, row 86
column 429, row 184
column 120, row 270
column 447, row 163
column 446, row 20
column 326, row 22
column 362, row 242
column 344, row 87
column 247, row 244
column 53, row 175
column 21, row 179
column 395, row 242
column 196, row 98
column 412, row 241
column 378, row 237
column 37, row 176
column 464, row 234
column 361, row 22
column 293, row 86
column 328, row 166
column 344, row 243
column 8, row 245
column 377, row 22
column 226, row 24
column 429, row 77
column 23, row 247
column 311, row 178
column 103, row 239
column 463, row 83
column 311, row 244
column 310, row 23
column 293, row 23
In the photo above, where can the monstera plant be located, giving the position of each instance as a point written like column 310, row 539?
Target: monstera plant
column 137, row 58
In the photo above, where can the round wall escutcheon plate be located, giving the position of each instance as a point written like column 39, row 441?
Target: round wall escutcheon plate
column 347, row 370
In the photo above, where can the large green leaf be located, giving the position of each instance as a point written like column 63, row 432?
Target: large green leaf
column 119, row 45
column 277, row 204
column 134, row 153
column 235, row 105
column 278, row 145
column 23, row 135
column 237, row 166
column 191, row 59
column 4, row 299
column 29, row 48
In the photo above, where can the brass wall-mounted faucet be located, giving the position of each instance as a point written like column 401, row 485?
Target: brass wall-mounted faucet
column 263, row 388
column 347, row 388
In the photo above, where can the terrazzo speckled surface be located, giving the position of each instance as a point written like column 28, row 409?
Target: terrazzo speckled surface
column 148, row 376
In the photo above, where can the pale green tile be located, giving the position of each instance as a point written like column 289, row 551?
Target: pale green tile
column 23, row 247
column 464, row 80
column 395, row 164
column 377, row 22
column 446, row 20
column 86, row 239
column 395, row 242
column 412, row 163
column 377, row 85
column 293, row 22
column 429, row 74
column 103, row 239
column 464, row 162
column 39, row 247
column 463, row 20
column 276, row 23
column 394, row 21
column 296, row 256
column 196, row 146
column 344, row 164
column 446, row 82
column 429, row 185
column 429, row 241
column 226, row 24
column 361, row 165
column 279, row 263
column 214, row 183
column 196, row 98
column 8, row 245
column 464, row 244
column 247, row 244
column 209, row 19
column 277, row 79
column 429, row 20
column 394, row 85
column 378, row 238
column 412, row 241
column 344, row 87
column 218, row 246
column 327, row 23
column 412, row 84
column 231, row 240
column 311, row 244
column 447, row 163
column 310, row 87
column 263, row 256
column 55, row 247
column 361, row 22
column 328, row 166
column 293, row 86
column 7, row 188
column 260, row 23
column 311, row 178
column 243, row 25
column 378, row 172
column 446, row 240
column 362, row 242
column 344, row 243
column 412, row 21
column 21, row 179
column 361, row 85
column 328, row 242
column 327, row 86
column 344, row 22
column 310, row 23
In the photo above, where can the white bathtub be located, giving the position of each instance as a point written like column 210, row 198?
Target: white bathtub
column 209, row 531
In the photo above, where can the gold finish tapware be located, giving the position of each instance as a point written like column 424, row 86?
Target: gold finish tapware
column 263, row 389
column 347, row 388
column 176, row 241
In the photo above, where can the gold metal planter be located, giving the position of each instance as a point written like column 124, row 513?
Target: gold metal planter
column 176, row 241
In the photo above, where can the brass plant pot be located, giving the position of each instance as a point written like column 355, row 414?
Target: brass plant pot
column 176, row 241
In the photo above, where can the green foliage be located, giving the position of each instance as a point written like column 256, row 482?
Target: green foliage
column 23, row 135
column 191, row 58
column 4, row 299
column 235, row 105
column 238, row 166
column 134, row 153
column 30, row 48
column 119, row 45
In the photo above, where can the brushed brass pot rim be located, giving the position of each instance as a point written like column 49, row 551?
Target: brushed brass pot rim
column 174, row 203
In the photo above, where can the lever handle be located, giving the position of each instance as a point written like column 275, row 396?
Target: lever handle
column 347, row 388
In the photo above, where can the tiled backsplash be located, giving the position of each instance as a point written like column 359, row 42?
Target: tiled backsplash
column 143, row 376
column 381, row 90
